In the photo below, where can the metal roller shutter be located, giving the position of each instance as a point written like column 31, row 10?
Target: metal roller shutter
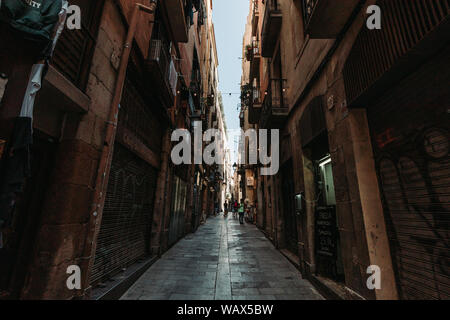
column 410, row 128
column 124, row 235
column 125, row 231
column 177, row 217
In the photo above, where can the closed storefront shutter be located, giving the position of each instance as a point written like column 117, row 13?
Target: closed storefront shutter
column 177, row 216
column 196, row 212
column 125, row 231
column 410, row 128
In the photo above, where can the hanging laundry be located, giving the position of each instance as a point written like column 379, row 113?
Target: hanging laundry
column 16, row 167
column 36, row 20
column 173, row 77
column 16, row 163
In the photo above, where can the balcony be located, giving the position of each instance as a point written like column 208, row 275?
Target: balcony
column 161, row 70
column 274, row 111
column 255, row 18
column 255, row 59
column 210, row 100
column 324, row 19
column 254, row 111
column 271, row 27
column 195, row 89
column 177, row 11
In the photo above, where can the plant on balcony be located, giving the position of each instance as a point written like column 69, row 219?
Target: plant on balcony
column 246, row 94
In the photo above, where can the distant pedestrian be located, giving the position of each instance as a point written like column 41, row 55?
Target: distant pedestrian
column 225, row 208
column 241, row 213
column 235, row 209
column 216, row 208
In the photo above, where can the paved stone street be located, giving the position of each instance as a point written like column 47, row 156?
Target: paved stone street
column 223, row 261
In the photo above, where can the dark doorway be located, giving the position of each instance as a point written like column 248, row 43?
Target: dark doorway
column 263, row 205
column 290, row 220
column 328, row 247
column 19, row 238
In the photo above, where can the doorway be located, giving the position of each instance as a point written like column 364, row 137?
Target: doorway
column 327, row 240
column 18, row 239
column 289, row 215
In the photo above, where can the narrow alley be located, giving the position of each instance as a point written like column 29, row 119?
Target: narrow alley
column 128, row 128
column 223, row 261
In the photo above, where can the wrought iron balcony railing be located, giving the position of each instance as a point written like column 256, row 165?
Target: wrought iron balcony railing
column 255, row 17
column 271, row 27
column 325, row 19
column 161, row 70
column 274, row 110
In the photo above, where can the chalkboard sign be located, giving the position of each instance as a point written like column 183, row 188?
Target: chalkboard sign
column 326, row 231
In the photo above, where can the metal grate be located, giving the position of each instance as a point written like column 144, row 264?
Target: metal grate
column 124, row 235
column 412, row 151
column 177, row 218
column 405, row 24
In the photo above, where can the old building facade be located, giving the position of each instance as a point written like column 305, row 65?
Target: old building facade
column 364, row 141
column 113, row 225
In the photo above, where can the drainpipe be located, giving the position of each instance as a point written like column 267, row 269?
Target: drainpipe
column 104, row 167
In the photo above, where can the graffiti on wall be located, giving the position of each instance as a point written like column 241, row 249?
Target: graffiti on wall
column 127, row 217
column 416, row 189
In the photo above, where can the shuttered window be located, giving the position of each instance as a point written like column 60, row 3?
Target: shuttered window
column 75, row 48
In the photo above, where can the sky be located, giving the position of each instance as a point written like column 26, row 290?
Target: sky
column 229, row 18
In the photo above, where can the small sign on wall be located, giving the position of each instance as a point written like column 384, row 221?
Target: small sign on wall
column 250, row 182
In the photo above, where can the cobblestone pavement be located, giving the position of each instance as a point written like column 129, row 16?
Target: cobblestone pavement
column 223, row 260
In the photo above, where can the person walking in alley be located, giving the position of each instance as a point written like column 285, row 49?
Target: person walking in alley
column 225, row 208
column 216, row 208
column 235, row 209
column 241, row 213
